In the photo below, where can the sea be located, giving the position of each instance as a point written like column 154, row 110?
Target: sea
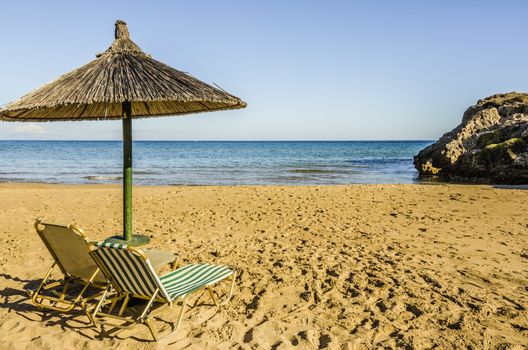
column 212, row 162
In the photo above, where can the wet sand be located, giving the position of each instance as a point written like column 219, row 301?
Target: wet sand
column 338, row 267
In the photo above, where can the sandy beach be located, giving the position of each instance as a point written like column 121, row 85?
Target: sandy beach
column 338, row 267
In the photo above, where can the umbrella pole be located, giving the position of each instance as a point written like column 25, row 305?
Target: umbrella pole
column 127, row 172
column 128, row 237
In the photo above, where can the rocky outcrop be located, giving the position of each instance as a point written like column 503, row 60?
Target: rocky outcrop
column 490, row 145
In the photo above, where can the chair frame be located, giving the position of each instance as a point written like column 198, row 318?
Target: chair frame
column 42, row 301
column 128, row 322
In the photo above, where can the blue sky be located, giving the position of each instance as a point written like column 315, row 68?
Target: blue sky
column 309, row 70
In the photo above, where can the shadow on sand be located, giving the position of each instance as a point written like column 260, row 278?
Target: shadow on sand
column 19, row 302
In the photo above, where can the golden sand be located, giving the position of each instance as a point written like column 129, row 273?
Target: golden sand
column 342, row 267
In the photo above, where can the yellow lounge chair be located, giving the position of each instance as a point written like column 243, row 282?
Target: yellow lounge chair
column 67, row 246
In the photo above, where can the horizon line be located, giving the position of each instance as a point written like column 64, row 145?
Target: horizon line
column 285, row 140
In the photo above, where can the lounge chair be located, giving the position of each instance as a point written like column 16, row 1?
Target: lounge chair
column 68, row 247
column 132, row 275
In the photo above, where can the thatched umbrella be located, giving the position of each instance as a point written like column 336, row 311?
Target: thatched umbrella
column 121, row 83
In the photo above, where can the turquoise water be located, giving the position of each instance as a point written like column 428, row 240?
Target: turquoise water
column 212, row 162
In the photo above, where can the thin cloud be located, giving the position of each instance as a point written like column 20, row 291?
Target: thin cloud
column 28, row 128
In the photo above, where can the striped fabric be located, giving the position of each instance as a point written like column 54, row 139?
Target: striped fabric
column 189, row 278
column 134, row 275
column 130, row 272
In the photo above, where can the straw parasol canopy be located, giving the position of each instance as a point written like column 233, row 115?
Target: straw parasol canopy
column 121, row 83
column 123, row 73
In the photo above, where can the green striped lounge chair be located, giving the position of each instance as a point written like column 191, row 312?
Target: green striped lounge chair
column 131, row 275
column 67, row 246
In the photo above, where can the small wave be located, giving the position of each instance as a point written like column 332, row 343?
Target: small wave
column 103, row 178
column 12, row 172
column 145, row 172
column 379, row 161
column 311, row 171
column 13, row 179
column 191, row 184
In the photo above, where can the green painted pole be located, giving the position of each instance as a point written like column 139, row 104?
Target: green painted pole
column 127, row 171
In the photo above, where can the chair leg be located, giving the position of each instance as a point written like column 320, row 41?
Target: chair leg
column 149, row 304
column 232, row 286
column 211, row 293
column 86, row 285
column 113, row 303
column 229, row 295
column 123, row 306
column 174, row 264
column 58, row 302
column 231, row 289
column 65, row 290
column 86, row 309
column 180, row 316
column 143, row 317
column 44, row 280
column 98, row 307
column 151, row 329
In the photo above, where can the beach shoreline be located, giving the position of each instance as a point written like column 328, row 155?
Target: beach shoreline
column 35, row 184
column 353, row 266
